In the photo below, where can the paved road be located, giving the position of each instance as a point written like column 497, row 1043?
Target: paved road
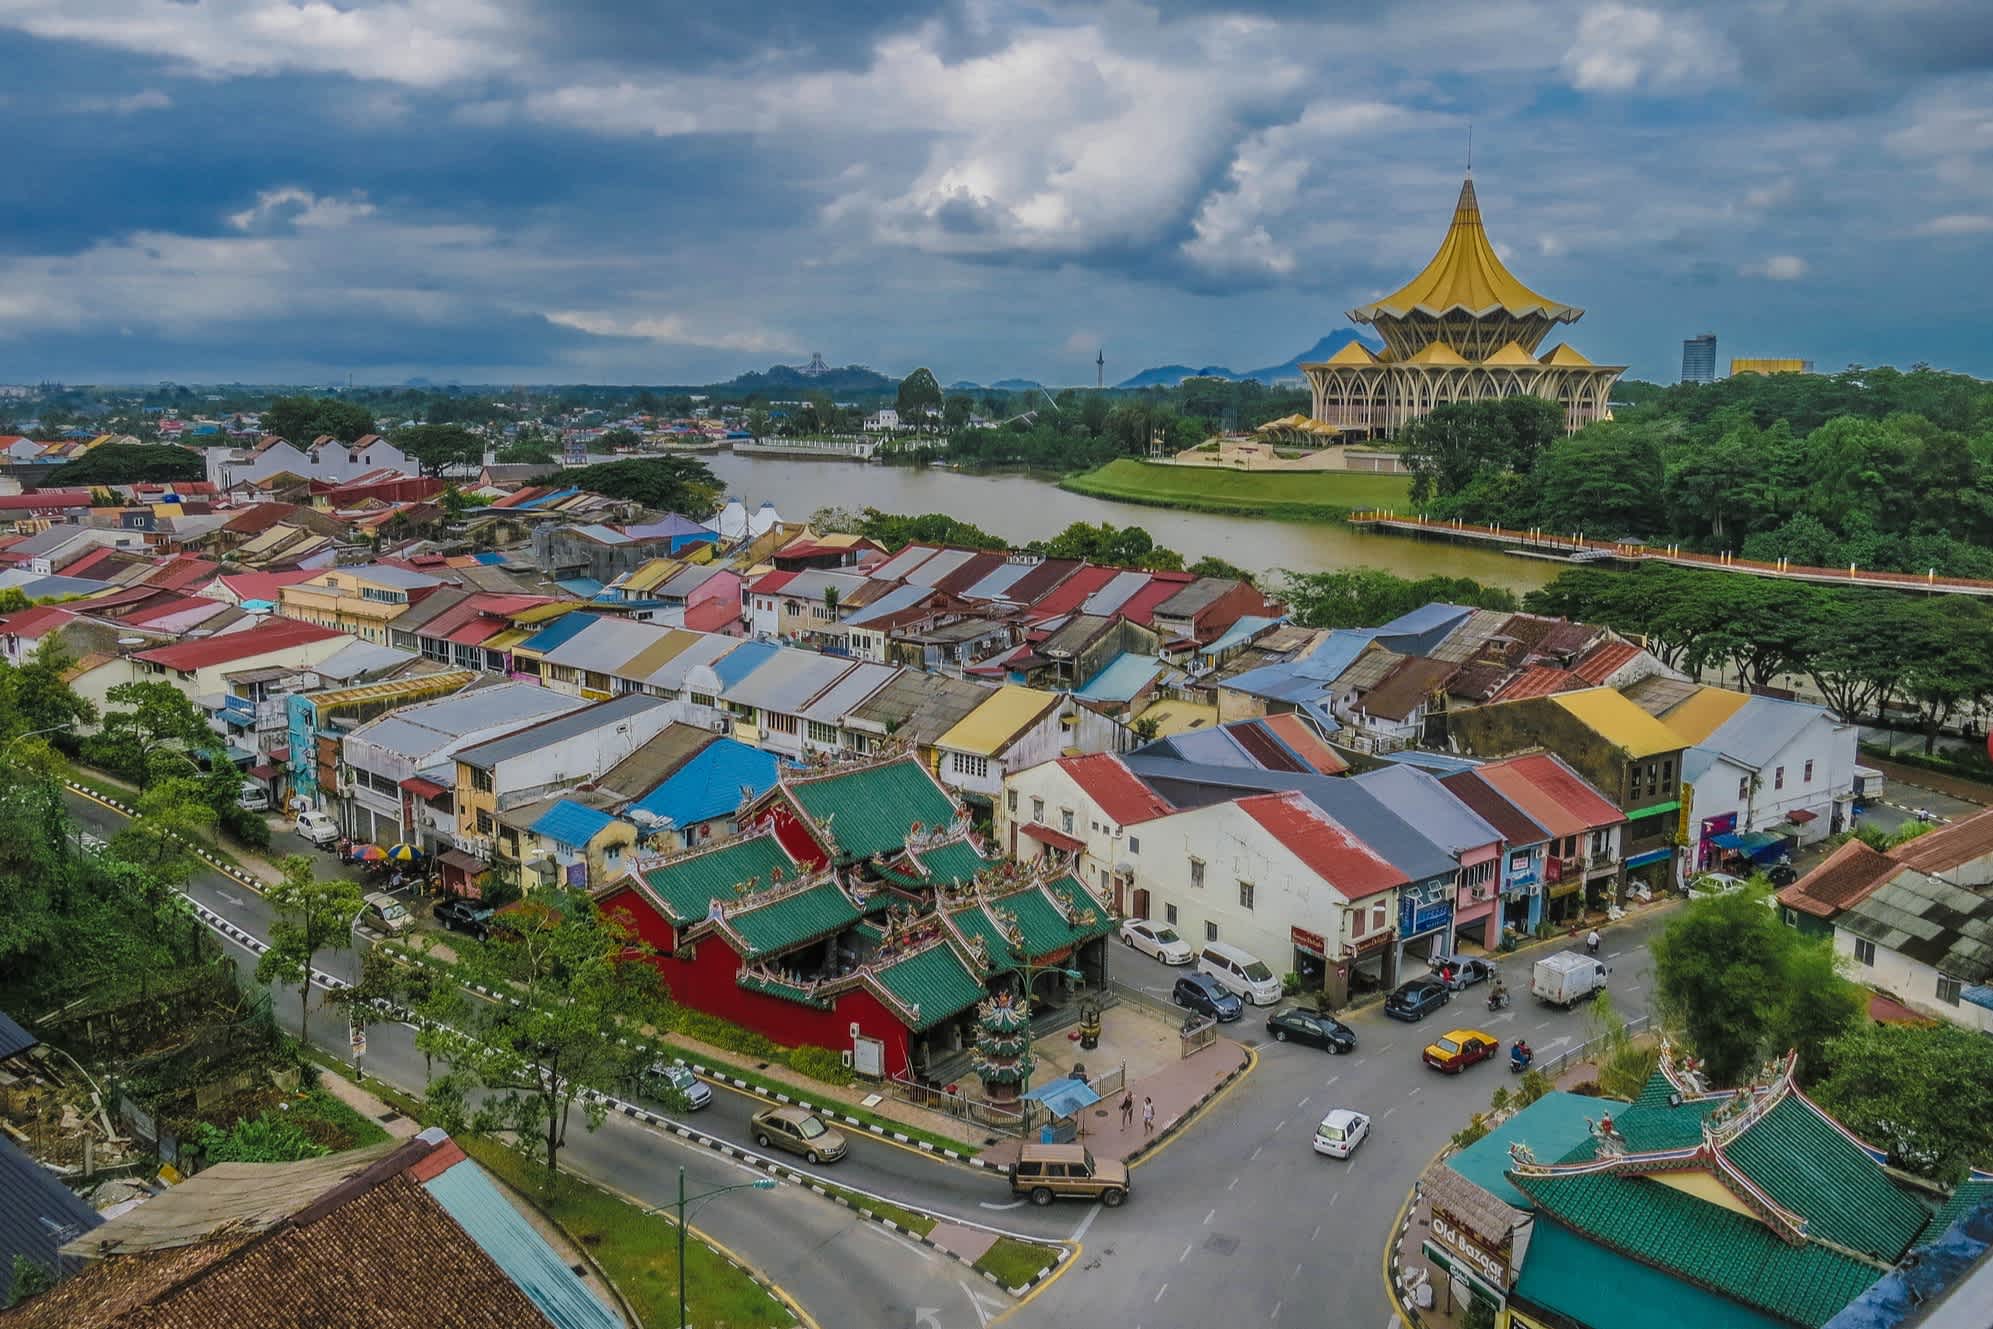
column 1241, row 1224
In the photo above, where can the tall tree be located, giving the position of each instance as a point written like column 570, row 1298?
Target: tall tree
column 130, row 463
column 147, row 718
column 314, row 915
column 437, row 448
column 666, row 484
column 303, row 419
column 1924, row 1093
column 919, row 396
column 579, row 980
column 1743, row 986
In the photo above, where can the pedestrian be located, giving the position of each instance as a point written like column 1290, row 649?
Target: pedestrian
column 1127, row 1110
column 1148, row 1115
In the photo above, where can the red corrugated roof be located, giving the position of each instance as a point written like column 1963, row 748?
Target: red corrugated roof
column 715, row 615
column 276, row 635
column 1295, row 732
column 1540, row 681
column 1556, row 797
column 1068, row 594
column 770, row 583
column 1840, row 881
column 1597, row 667
column 78, row 567
column 36, row 621
column 1122, row 798
column 1335, row 855
column 1141, row 606
column 264, row 585
column 37, row 499
column 176, row 574
column 1057, row 839
column 1949, row 847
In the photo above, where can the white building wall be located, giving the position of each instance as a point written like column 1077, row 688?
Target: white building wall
column 575, row 760
column 1827, row 743
column 1911, row 982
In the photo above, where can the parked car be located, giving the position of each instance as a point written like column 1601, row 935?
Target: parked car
column 1322, row 1031
column 1157, row 939
column 1715, row 883
column 1201, row 993
column 1415, row 1000
column 1047, row 1171
column 252, row 798
column 1241, row 971
column 1783, row 874
column 316, row 827
column 1457, row 1049
column 799, row 1131
column 466, row 916
column 660, row 1076
column 1467, row 970
column 384, row 913
column 1341, row 1132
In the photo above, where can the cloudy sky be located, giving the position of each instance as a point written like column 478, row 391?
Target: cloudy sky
column 657, row 191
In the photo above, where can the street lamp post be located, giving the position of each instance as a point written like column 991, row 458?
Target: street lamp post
column 758, row 1184
column 8, row 751
column 1031, row 972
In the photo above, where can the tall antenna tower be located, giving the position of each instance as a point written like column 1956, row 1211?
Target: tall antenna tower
column 816, row 367
column 1100, row 369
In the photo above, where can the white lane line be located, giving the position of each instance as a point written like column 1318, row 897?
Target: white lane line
column 985, row 1204
column 1316, row 1235
column 1387, row 1112
column 1209, row 1216
column 1297, row 1268
column 1331, row 1080
column 1630, row 989
column 1612, row 955
column 1232, row 1183
column 1159, row 1291
column 1278, row 1124
column 1274, row 1314
column 1255, row 1153
column 1187, row 1248
column 1333, row 1197
column 921, row 1251
column 1386, row 1048
column 1085, row 1223
column 982, row 1316
column 1415, row 1092
column 1304, row 1101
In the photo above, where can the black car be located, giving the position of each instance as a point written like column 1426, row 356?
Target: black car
column 1784, row 874
column 1415, row 1000
column 1201, row 993
column 460, row 915
column 1322, row 1031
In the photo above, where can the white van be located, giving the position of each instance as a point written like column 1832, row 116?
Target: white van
column 1239, row 971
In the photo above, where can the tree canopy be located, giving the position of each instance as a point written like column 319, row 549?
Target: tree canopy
column 1368, row 597
column 302, row 419
column 919, row 396
column 1924, row 1093
column 130, row 463
column 667, row 484
column 436, row 448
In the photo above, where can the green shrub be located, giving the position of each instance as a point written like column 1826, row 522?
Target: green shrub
column 249, row 828
column 267, row 1138
column 1475, row 1129
column 820, row 1064
column 722, row 1034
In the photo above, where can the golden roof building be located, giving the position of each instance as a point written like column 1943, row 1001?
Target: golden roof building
column 1465, row 329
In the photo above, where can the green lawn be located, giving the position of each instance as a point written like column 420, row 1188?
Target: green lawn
column 639, row 1250
column 1307, row 496
column 1015, row 1262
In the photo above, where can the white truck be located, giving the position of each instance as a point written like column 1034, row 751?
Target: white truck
column 1566, row 978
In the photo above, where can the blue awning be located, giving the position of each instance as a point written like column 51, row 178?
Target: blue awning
column 1065, row 1098
column 1759, row 845
column 1651, row 856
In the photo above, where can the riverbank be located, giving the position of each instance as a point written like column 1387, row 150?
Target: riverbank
column 1282, row 495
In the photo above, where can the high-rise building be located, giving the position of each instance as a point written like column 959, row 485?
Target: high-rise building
column 1699, row 359
column 1465, row 329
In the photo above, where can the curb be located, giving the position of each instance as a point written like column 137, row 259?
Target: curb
column 229, row 870
column 786, row 1173
column 1185, row 1117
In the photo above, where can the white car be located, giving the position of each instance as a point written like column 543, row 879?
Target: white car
column 252, row 799
column 1716, row 883
column 1341, row 1132
column 1157, row 939
column 316, row 827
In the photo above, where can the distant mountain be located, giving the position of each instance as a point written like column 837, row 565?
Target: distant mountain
column 964, row 385
column 1017, row 385
column 849, row 379
column 1168, row 376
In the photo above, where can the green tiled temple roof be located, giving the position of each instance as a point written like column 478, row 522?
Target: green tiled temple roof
column 769, row 929
column 976, row 922
column 1650, row 1123
column 687, row 885
column 936, row 980
column 1703, row 1243
column 871, row 811
column 953, row 863
column 1045, row 928
column 1814, row 1170
column 1969, row 1196
column 775, row 987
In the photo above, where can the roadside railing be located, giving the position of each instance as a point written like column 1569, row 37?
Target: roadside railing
column 1198, row 1035
column 954, row 1103
column 1556, row 1065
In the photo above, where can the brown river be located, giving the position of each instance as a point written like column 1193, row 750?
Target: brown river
column 1021, row 508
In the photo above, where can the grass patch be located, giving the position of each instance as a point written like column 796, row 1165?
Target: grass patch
column 1014, row 1263
column 637, row 1249
column 918, row 1224
column 1288, row 496
column 334, row 1123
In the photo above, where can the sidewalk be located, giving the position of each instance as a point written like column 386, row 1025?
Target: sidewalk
column 1176, row 1089
column 367, row 1105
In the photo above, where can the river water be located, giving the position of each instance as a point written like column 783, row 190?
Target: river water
column 1021, row 508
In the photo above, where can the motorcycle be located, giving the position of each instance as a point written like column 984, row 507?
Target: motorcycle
column 1498, row 999
column 1519, row 1059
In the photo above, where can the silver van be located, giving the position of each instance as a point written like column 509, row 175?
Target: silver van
column 1239, row 971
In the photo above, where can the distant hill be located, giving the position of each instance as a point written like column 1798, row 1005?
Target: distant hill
column 849, row 379
column 1017, row 385
column 1168, row 376
column 963, row 385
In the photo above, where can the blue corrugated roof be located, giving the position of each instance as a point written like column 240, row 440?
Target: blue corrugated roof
column 489, row 1219
column 710, row 784
column 37, row 1215
column 585, row 587
column 1439, row 763
column 559, row 632
column 743, row 660
column 1240, row 631
column 14, row 1040
column 553, row 497
column 1121, row 678
column 571, row 823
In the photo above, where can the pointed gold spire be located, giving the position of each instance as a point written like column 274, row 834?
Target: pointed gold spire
column 1465, row 275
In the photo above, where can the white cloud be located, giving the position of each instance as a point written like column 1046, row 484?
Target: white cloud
column 1779, row 267
column 1081, row 342
column 673, row 329
column 301, row 208
column 1776, row 194
column 147, row 99
column 1958, row 223
column 1623, row 48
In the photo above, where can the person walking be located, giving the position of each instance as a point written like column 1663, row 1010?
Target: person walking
column 1148, row 1115
column 1127, row 1110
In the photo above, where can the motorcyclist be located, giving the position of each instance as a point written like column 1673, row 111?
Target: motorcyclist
column 1498, row 995
column 1592, row 942
column 1521, row 1054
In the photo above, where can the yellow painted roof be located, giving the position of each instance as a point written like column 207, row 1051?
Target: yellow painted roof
column 1617, row 720
column 658, row 654
column 1702, row 712
column 986, row 730
column 1562, row 354
column 651, row 572
column 1174, row 717
column 1353, row 353
column 1511, row 353
column 1465, row 274
column 505, row 640
column 1435, row 353
column 545, row 613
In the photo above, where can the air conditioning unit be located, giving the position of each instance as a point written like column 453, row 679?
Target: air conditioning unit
column 847, row 1058
column 428, row 820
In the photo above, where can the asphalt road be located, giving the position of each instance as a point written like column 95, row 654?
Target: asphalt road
column 1240, row 1223
column 1235, row 1222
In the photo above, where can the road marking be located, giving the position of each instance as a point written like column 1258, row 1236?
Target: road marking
column 1333, row 1197
column 1386, row 1048
column 1297, row 1268
column 1333, row 1078
column 1159, row 1292
column 1085, row 1223
column 1230, row 1184
column 921, row 1251
column 235, row 900
column 1630, row 989
column 1278, row 1124
column 1304, row 1100
column 982, row 1316
column 1415, row 1092
column 1014, row 1204
column 1187, row 1248
column 1558, row 1042
column 1316, row 1235
column 1255, row 1153
column 1612, row 955
column 1388, row 1111
column 1503, row 1018
column 1209, row 1216
column 1274, row 1314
